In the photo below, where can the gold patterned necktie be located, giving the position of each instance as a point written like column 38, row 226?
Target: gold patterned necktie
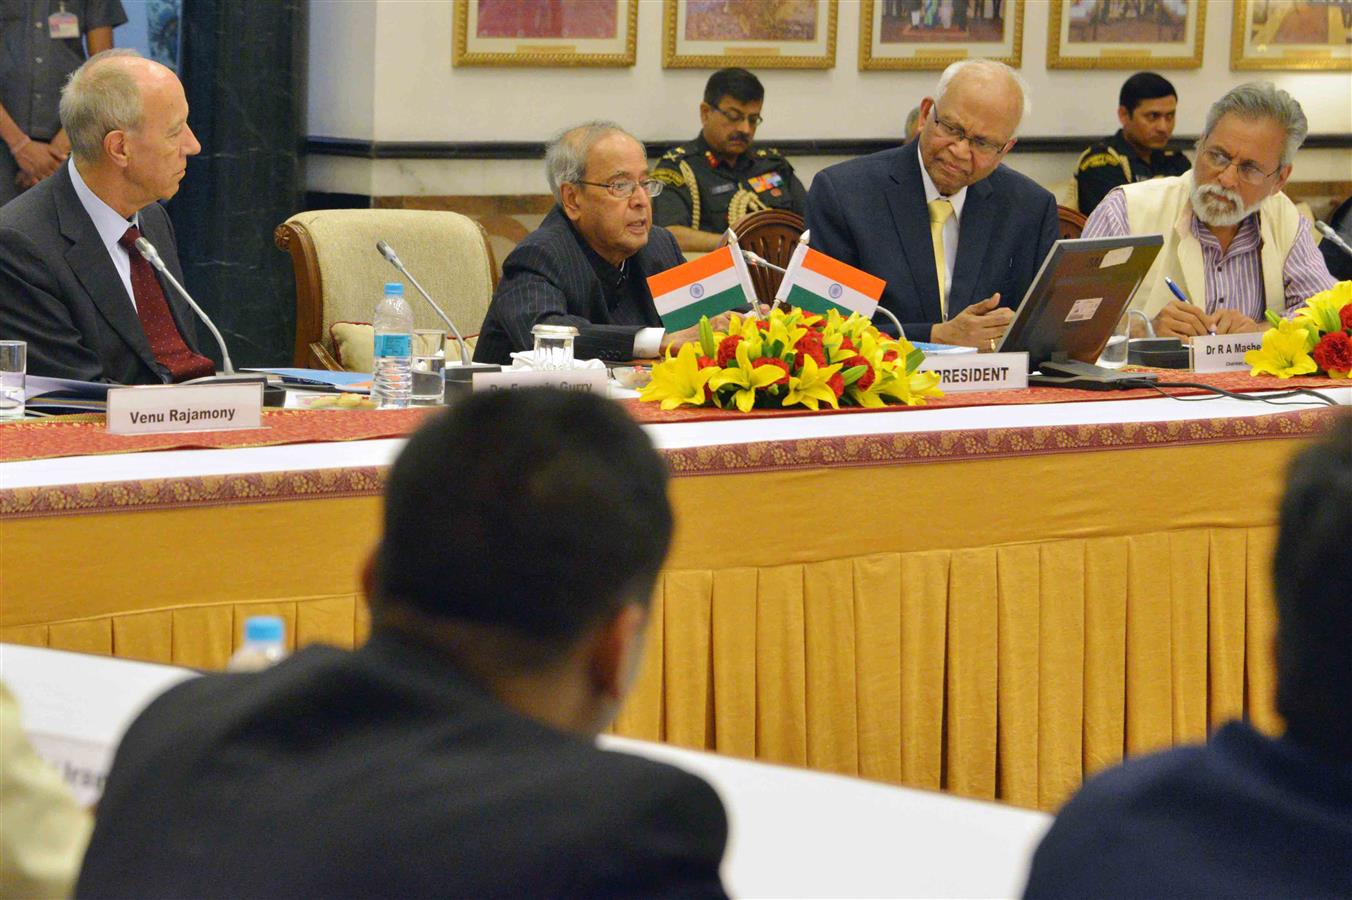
column 939, row 211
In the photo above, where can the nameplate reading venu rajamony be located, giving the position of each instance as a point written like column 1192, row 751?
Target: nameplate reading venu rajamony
column 1223, row 352
column 979, row 371
column 160, row 408
column 591, row 381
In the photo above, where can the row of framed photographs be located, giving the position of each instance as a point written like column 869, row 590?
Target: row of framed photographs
column 902, row 34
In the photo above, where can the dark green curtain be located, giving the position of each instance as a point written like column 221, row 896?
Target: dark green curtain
column 243, row 65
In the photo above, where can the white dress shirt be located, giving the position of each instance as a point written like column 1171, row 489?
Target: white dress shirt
column 109, row 225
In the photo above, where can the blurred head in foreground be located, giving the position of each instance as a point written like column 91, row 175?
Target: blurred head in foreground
column 524, row 531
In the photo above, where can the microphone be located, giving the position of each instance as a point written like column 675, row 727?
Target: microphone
column 388, row 252
column 757, row 260
column 1334, row 237
column 152, row 256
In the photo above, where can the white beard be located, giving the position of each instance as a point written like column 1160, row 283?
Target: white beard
column 1220, row 214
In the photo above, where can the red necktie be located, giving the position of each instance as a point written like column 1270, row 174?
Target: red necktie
column 165, row 342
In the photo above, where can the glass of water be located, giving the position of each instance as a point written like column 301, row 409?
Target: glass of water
column 554, row 346
column 13, row 368
column 428, row 365
column 1114, row 355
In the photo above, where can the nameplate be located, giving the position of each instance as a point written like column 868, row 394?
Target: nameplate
column 1223, row 352
column 589, row 381
column 83, row 764
column 979, row 371
column 160, row 408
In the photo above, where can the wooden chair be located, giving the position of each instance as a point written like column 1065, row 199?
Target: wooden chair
column 340, row 274
column 1072, row 221
column 772, row 234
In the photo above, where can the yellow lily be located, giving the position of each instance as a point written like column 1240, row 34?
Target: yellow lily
column 746, row 378
column 1321, row 311
column 811, row 386
column 1285, row 351
column 679, row 381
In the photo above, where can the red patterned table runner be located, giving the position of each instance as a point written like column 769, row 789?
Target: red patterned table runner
column 85, row 435
column 1236, row 382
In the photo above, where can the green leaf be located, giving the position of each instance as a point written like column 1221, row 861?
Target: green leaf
column 1273, row 319
column 706, row 338
column 914, row 359
column 853, row 374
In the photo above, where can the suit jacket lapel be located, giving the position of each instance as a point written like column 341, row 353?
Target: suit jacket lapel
column 974, row 231
column 910, row 217
column 89, row 260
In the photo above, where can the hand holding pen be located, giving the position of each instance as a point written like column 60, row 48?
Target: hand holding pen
column 1180, row 318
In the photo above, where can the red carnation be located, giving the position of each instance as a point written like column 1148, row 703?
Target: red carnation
column 763, row 324
column 727, row 349
column 1345, row 317
column 866, row 380
column 837, row 384
column 809, row 344
column 777, row 363
column 847, row 344
column 1334, row 352
column 890, row 355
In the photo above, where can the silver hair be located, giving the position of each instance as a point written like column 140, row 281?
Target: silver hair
column 97, row 99
column 1261, row 100
column 566, row 156
column 986, row 65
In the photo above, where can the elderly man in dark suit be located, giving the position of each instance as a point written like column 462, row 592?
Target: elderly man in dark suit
column 957, row 236
column 587, row 263
column 71, row 282
column 453, row 755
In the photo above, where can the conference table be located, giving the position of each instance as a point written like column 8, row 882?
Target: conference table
column 791, row 833
column 991, row 600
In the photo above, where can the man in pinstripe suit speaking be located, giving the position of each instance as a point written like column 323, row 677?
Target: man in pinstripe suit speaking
column 587, row 263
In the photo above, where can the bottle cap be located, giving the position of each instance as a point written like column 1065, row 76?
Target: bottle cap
column 394, row 287
column 265, row 629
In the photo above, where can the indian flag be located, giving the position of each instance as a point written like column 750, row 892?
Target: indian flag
column 712, row 284
column 818, row 283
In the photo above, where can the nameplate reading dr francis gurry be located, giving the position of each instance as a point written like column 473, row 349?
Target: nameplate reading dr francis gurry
column 979, row 371
column 160, row 408
column 588, row 381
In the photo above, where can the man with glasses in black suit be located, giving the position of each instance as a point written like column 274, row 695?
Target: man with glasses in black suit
column 587, row 264
column 717, row 178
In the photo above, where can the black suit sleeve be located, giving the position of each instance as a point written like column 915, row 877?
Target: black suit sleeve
column 668, row 842
column 31, row 310
column 534, row 291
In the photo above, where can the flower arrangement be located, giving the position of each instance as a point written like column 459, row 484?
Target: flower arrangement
column 792, row 358
column 1316, row 340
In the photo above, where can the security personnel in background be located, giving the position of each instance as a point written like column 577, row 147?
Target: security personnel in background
column 717, row 178
column 1146, row 107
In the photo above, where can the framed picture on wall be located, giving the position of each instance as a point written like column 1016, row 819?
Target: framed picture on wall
column 930, row 34
column 545, row 32
column 757, row 34
column 1270, row 34
column 1126, row 34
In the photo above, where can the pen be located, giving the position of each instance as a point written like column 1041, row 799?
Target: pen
column 1178, row 292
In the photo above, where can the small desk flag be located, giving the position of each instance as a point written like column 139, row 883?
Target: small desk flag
column 712, row 284
column 819, row 283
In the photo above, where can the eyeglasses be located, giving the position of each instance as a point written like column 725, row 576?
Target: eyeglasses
column 625, row 188
column 978, row 145
column 734, row 116
column 1248, row 172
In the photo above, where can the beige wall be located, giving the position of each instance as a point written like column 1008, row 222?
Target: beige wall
column 380, row 70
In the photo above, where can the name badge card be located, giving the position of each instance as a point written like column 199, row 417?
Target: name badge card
column 591, row 381
column 1223, row 352
column 979, row 371
column 160, row 408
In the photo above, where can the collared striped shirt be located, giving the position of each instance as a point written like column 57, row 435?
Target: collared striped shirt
column 1234, row 278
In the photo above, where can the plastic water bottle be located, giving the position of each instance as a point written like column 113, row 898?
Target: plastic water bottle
column 393, row 323
column 264, row 644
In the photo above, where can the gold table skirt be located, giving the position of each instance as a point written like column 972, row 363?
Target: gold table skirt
column 993, row 626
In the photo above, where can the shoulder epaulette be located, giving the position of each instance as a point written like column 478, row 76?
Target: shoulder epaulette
column 769, row 153
column 670, row 177
column 676, row 153
column 1098, row 156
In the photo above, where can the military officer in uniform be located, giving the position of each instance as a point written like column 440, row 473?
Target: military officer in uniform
column 717, row 178
column 1139, row 151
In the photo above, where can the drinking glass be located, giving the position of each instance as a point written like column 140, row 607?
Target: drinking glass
column 13, row 368
column 554, row 346
column 428, row 365
column 1114, row 355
